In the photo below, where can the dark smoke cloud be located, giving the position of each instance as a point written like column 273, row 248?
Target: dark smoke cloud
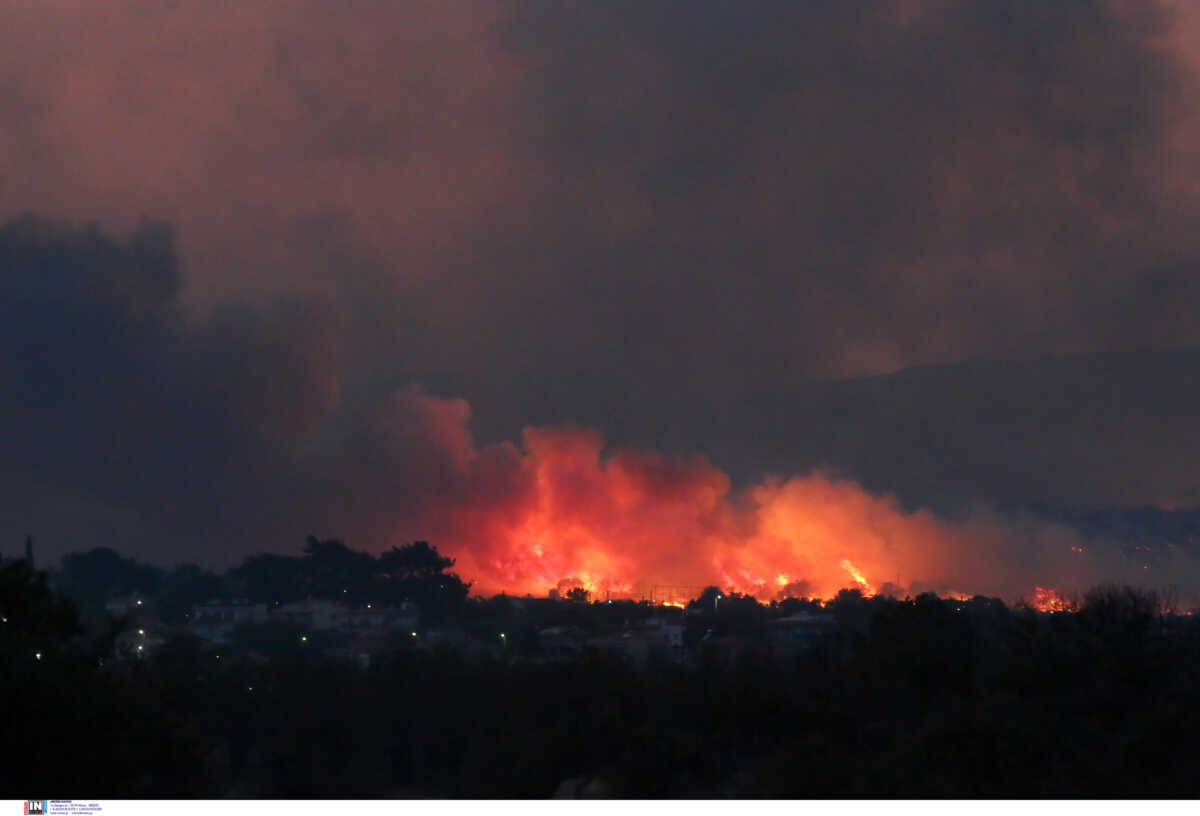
column 736, row 199
column 204, row 439
column 1101, row 430
column 671, row 221
column 113, row 399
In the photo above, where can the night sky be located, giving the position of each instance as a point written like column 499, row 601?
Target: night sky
column 385, row 271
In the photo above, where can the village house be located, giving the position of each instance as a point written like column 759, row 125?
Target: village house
column 215, row 620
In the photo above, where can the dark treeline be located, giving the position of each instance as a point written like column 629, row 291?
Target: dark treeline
column 921, row 697
column 326, row 569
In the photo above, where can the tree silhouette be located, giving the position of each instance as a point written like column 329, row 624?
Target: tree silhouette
column 100, row 573
column 183, row 588
column 33, row 620
column 271, row 579
column 337, row 572
column 417, row 560
column 708, row 601
column 417, row 573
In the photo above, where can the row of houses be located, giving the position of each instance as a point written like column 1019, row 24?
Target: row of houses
column 361, row 631
column 652, row 639
column 216, row 620
column 640, row 642
column 662, row 639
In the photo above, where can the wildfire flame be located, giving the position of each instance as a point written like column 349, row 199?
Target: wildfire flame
column 857, row 576
column 1046, row 599
column 558, row 511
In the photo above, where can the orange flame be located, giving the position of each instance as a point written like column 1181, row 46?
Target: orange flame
column 559, row 511
column 1046, row 599
column 857, row 576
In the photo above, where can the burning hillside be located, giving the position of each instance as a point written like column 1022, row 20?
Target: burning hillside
column 559, row 511
column 1046, row 599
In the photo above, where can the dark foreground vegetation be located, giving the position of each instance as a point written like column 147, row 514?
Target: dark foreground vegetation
column 921, row 697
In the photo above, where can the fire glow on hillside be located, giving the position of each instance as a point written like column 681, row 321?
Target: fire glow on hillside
column 1046, row 599
column 559, row 511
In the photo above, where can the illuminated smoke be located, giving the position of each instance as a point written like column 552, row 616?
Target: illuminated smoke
column 559, row 511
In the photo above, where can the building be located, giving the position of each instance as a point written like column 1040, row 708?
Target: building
column 376, row 618
column 455, row 638
column 644, row 641
column 799, row 631
column 215, row 620
column 314, row 614
column 561, row 642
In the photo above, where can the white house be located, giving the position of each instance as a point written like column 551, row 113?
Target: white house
column 216, row 620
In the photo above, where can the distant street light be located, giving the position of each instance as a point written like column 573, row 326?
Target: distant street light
column 37, row 655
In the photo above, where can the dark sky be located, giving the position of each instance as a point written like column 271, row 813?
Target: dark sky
column 293, row 266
